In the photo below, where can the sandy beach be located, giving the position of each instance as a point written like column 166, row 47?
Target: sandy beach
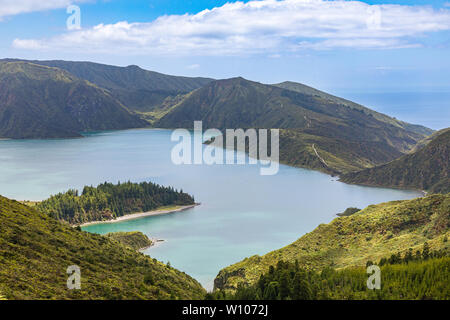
column 142, row 215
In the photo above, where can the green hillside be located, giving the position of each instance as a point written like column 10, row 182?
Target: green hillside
column 108, row 201
column 332, row 155
column 420, row 275
column 301, row 88
column 36, row 250
column 239, row 103
column 136, row 88
column 426, row 169
column 428, row 139
column 44, row 102
column 134, row 239
column 347, row 136
column 370, row 234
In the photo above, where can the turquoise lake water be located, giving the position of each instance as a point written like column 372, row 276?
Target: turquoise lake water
column 241, row 212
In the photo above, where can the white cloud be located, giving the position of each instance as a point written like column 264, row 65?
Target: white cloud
column 360, row 43
column 193, row 66
column 266, row 26
column 14, row 7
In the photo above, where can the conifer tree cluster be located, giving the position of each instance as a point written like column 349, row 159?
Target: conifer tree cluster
column 108, row 201
column 420, row 275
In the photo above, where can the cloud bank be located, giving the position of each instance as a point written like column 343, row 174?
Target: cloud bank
column 267, row 26
column 14, row 7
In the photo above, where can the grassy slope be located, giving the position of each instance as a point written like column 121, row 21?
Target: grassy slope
column 423, row 143
column 350, row 136
column 340, row 155
column 239, row 103
column 44, row 102
column 35, row 251
column 370, row 234
column 166, row 106
column 426, row 169
column 134, row 239
column 301, row 88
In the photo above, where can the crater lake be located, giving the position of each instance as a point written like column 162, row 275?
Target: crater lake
column 241, row 214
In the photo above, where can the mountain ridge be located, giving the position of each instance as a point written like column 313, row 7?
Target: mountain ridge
column 45, row 102
column 427, row 168
column 241, row 103
column 302, row 88
column 306, row 118
column 136, row 88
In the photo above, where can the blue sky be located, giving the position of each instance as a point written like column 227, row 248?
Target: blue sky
column 354, row 48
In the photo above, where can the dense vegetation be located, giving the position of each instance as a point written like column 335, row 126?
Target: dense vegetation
column 108, row 201
column 348, row 212
column 36, row 250
column 44, row 102
column 136, row 88
column 334, row 156
column 134, row 239
column 370, row 234
column 419, row 275
column 427, row 168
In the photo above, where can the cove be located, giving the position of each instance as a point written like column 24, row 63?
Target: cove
column 241, row 214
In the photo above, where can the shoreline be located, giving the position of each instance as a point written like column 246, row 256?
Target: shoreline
column 422, row 192
column 139, row 215
column 155, row 242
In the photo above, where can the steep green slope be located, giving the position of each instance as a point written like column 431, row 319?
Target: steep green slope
column 426, row 169
column 301, row 88
column 347, row 136
column 159, row 111
column 36, row 250
column 422, row 143
column 136, row 88
column 239, row 103
column 134, row 239
column 419, row 275
column 369, row 234
column 332, row 155
column 44, row 102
